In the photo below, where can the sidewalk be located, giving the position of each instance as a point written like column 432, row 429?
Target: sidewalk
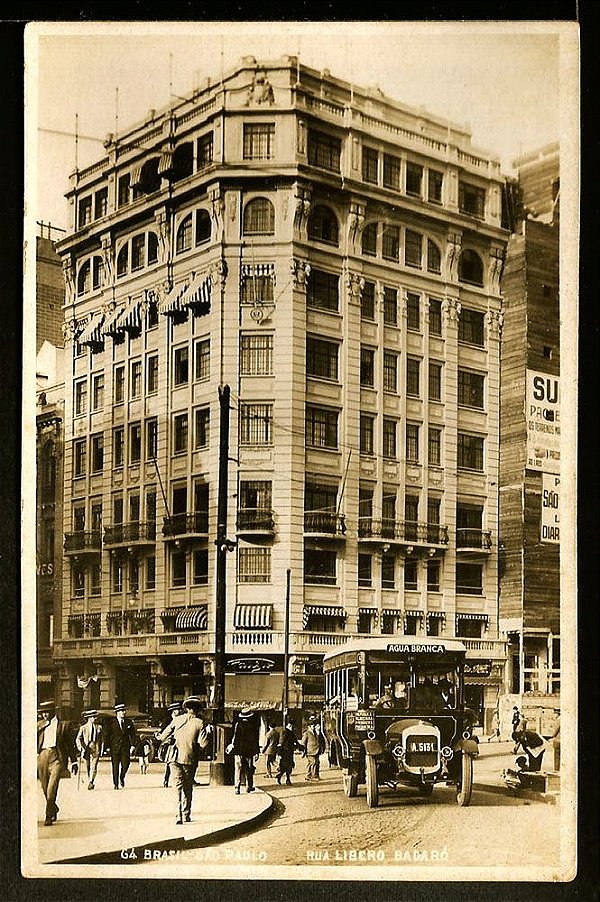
column 493, row 758
column 104, row 825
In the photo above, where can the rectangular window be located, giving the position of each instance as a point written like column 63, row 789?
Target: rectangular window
column 258, row 141
column 390, row 246
column 124, row 190
column 364, row 570
column 180, row 433
column 411, row 581
column 391, row 171
column 412, row 442
column 321, row 358
column 256, row 288
column 435, row 180
column 136, row 379
column 151, row 439
column 370, row 160
column 152, row 374
column 79, row 457
column 435, row 381
column 469, row 579
column 367, row 429
column 367, row 367
column 101, row 203
column 470, row 327
column 411, row 517
column 117, row 575
column 254, row 565
column 205, row 150
column 470, row 452
column 470, row 389
column 389, row 438
column 256, row 424
column 324, row 151
column 134, row 576
column 80, row 397
column 320, row 567
column 202, row 430
column 435, row 316
column 390, row 306
column 181, row 366
column 388, row 513
column 413, row 377
column 413, row 311
column 390, row 371
column 414, row 179
column 200, row 567
column 151, row 572
column 138, row 248
column 95, row 579
column 97, row 453
column 471, row 199
column 321, row 427
column 388, row 570
column 322, row 290
column 135, row 443
column 369, row 239
column 367, row 302
column 256, row 355
column 178, row 569
column 119, row 384
column 117, row 510
column 413, row 248
column 85, row 211
column 202, row 360
column 98, row 392
column 118, row 446
column 434, row 447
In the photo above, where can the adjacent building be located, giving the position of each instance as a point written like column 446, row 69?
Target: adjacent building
column 334, row 258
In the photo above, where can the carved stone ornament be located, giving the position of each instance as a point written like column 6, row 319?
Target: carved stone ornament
column 302, row 205
column 451, row 309
column 355, row 284
column 217, row 212
column 356, row 223
column 493, row 321
column 108, row 255
column 69, row 278
column 218, row 274
column 453, row 248
column 164, row 235
column 260, row 90
column 300, row 271
column 70, row 329
column 496, row 267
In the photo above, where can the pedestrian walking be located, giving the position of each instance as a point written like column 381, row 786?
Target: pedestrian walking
column 89, row 742
column 515, row 722
column 143, row 754
column 313, row 744
column 165, row 748
column 122, row 739
column 189, row 734
column 495, row 727
column 245, row 748
column 55, row 749
column 287, row 745
column 270, row 748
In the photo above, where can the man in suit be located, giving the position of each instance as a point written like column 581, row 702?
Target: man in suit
column 55, row 747
column 122, row 739
column 246, row 749
column 89, row 742
column 190, row 734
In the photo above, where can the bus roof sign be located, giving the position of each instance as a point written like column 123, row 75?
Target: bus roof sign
column 404, row 647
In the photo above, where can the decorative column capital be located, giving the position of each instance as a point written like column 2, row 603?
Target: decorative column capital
column 451, row 309
column 355, row 284
column 494, row 320
column 70, row 329
column 218, row 273
column 300, row 271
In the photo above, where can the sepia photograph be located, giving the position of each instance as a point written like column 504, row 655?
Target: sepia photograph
column 299, row 459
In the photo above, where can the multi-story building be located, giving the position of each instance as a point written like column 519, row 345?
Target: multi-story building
column 529, row 602
column 333, row 257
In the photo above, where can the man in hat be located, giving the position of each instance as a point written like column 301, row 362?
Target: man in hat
column 166, row 748
column 313, row 743
column 55, row 748
column 89, row 744
column 122, row 739
column 246, row 749
column 189, row 734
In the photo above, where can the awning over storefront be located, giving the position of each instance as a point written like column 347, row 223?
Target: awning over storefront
column 198, row 293
column 414, row 613
column 481, row 617
column 392, row 612
column 131, row 318
column 260, row 691
column 192, row 618
column 172, row 303
column 253, row 616
column 367, row 611
column 322, row 610
column 111, row 325
column 92, row 333
column 257, row 269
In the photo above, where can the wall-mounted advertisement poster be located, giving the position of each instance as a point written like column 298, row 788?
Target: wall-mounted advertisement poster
column 543, row 422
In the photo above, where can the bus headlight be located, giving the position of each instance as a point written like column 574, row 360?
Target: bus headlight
column 398, row 751
column 447, row 752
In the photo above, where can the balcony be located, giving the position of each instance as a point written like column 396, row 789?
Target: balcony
column 134, row 533
column 255, row 522
column 324, row 524
column 403, row 532
column 473, row 540
column 83, row 542
column 189, row 525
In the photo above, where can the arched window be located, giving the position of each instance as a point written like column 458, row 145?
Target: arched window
column 202, row 226
column 152, row 248
column 259, row 217
column 434, row 257
column 323, row 225
column 123, row 261
column 84, row 279
column 184, row 235
column 369, row 239
column 183, row 161
column 150, row 178
column 470, row 268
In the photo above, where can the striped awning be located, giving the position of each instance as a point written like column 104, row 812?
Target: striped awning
column 198, row 293
column 92, row 333
column 413, row 614
column 253, row 616
column 436, row 615
column 131, row 318
column 172, row 303
column 192, row 618
column 258, row 269
column 322, row 610
column 136, row 175
column 166, row 161
column 112, row 325
column 484, row 617
column 367, row 611
column 392, row 612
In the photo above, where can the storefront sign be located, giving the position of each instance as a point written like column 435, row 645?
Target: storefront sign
column 550, row 522
column 250, row 665
column 479, row 668
column 542, row 415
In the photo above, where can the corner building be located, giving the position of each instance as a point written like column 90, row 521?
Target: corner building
column 334, row 258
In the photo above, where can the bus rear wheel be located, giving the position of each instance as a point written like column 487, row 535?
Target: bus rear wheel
column 372, row 788
column 465, row 787
column 350, row 785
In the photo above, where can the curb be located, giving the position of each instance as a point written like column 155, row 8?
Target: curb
column 176, row 844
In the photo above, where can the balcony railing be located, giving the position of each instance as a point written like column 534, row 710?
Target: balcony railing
column 128, row 533
column 324, row 523
column 78, row 542
column 255, row 520
column 405, row 531
column 188, row 524
column 469, row 539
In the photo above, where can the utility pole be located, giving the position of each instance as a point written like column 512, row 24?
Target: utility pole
column 286, row 647
column 217, row 768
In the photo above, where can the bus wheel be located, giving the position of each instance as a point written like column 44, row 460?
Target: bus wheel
column 372, row 788
column 465, row 787
column 350, row 785
column 425, row 789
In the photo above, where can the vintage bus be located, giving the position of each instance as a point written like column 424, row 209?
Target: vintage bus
column 395, row 715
